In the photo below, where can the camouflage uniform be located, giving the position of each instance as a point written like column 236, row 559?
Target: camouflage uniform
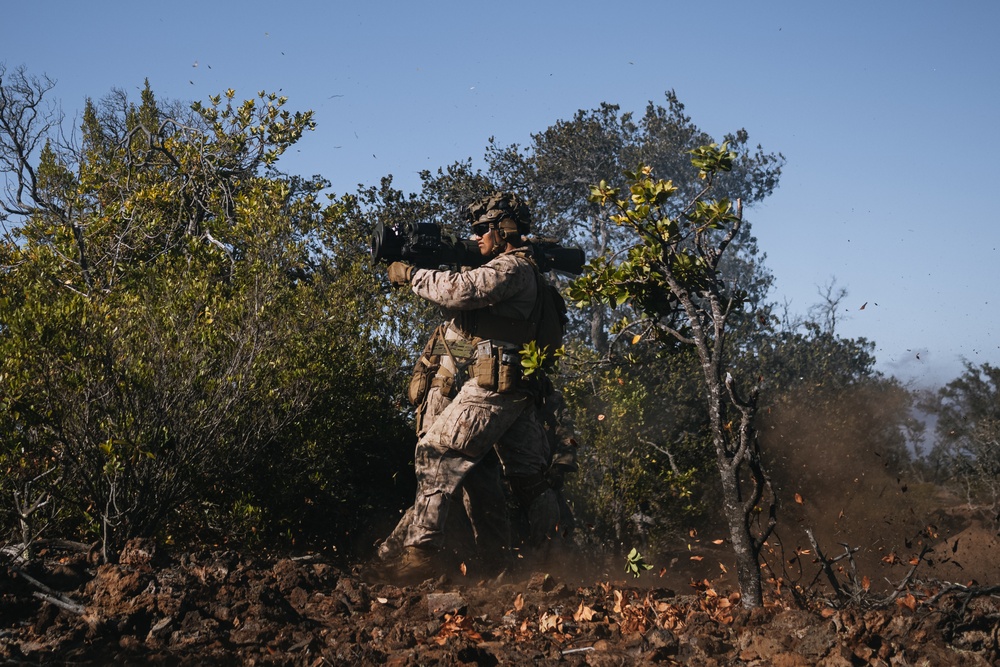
column 542, row 512
column 542, row 515
column 455, row 439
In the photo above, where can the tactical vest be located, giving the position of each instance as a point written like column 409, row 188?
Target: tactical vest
column 491, row 367
column 485, row 324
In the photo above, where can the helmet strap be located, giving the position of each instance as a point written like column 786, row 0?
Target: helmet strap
column 499, row 240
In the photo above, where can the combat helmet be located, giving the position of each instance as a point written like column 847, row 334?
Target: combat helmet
column 499, row 207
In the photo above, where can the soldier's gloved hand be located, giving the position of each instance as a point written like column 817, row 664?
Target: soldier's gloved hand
column 400, row 274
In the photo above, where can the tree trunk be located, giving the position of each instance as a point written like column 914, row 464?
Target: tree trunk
column 731, row 458
column 747, row 563
column 599, row 330
column 599, row 315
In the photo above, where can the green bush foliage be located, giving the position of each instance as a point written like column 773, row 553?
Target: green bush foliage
column 644, row 457
column 182, row 345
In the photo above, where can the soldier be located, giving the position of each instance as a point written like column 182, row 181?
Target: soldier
column 470, row 384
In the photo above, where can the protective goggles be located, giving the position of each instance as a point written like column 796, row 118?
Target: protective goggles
column 482, row 228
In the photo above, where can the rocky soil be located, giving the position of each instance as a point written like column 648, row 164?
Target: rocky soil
column 225, row 607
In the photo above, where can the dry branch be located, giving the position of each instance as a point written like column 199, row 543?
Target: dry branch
column 51, row 595
column 824, row 564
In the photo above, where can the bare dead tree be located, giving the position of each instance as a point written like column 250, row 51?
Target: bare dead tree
column 26, row 122
column 27, row 503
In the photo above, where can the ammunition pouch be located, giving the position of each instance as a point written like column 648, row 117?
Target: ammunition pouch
column 484, row 371
column 496, row 369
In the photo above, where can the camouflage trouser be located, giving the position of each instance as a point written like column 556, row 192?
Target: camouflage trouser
column 482, row 494
column 456, row 441
column 485, row 507
column 546, row 519
column 542, row 516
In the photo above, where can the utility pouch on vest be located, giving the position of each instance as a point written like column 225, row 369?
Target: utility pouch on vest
column 420, row 383
column 424, row 371
column 484, row 369
column 445, row 382
column 509, row 378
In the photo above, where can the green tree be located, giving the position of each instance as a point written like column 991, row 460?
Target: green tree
column 966, row 453
column 674, row 266
column 639, row 479
column 558, row 165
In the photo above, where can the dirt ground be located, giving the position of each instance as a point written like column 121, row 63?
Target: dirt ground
column 918, row 574
column 230, row 608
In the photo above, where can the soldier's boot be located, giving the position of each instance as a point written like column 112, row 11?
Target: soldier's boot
column 389, row 550
column 391, row 547
column 414, row 566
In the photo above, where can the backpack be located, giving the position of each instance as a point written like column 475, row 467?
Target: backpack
column 549, row 317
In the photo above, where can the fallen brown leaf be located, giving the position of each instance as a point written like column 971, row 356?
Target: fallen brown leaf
column 583, row 613
column 549, row 622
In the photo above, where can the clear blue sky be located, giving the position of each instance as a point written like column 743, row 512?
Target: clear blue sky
column 885, row 111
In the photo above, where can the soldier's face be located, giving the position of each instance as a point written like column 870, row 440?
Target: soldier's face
column 486, row 239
